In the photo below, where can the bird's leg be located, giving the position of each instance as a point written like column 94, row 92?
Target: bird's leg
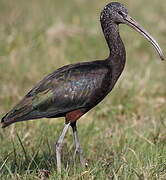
column 59, row 147
column 78, row 149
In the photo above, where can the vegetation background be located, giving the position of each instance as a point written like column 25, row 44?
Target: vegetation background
column 124, row 137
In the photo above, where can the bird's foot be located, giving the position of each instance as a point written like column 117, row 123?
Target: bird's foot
column 78, row 151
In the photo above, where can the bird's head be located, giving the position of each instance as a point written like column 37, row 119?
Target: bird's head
column 117, row 13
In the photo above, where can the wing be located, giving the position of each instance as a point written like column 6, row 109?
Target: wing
column 68, row 88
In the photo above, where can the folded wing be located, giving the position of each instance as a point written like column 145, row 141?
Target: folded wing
column 69, row 88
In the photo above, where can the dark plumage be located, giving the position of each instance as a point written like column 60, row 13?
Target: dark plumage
column 67, row 89
column 73, row 90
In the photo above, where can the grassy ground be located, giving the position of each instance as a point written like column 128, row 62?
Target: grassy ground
column 124, row 137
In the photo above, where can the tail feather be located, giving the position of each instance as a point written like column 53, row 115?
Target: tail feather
column 18, row 113
column 5, row 123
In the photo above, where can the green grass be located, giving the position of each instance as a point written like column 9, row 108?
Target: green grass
column 124, row 137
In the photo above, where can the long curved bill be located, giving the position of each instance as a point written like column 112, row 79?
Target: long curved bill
column 132, row 23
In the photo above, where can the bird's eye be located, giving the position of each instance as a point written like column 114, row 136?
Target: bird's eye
column 120, row 13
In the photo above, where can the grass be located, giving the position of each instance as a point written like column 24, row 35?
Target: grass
column 124, row 137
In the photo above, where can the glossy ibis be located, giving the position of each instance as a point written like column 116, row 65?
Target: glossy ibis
column 72, row 90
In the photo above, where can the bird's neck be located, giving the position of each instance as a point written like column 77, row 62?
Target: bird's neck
column 117, row 56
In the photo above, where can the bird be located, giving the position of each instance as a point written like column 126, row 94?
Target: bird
column 74, row 89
